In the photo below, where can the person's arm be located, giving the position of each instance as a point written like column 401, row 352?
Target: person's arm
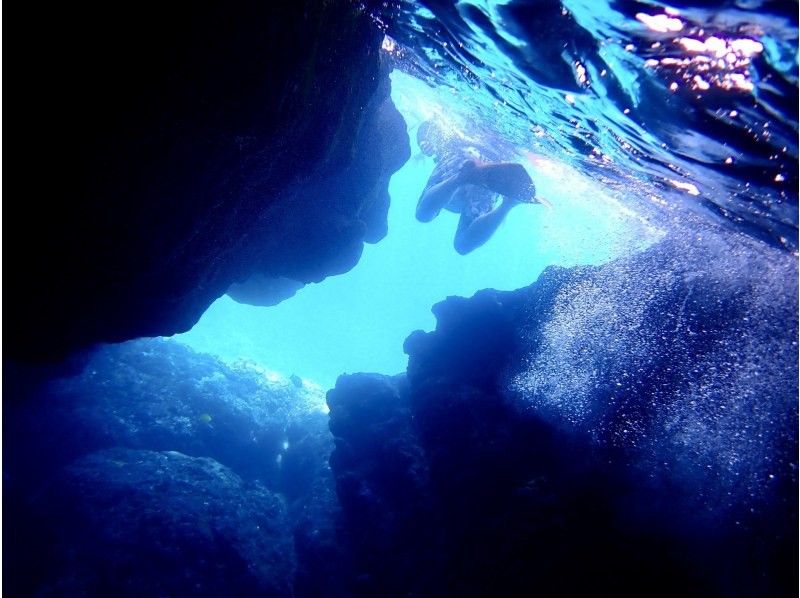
column 474, row 232
column 507, row 179
column 435, row 196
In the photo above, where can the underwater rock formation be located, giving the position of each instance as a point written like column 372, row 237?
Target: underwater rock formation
column 382, row 485
column 138, row 522
column 263, row 291
column 607, row 429
column 160, row 395
column 175, row 455
column 189, row 151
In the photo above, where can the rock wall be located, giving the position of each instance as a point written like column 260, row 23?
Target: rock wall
column 623, row 429
column 160, row 471
column 626, row 429
column 182, row 149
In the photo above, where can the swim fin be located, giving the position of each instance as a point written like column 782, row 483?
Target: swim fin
column 507, row 178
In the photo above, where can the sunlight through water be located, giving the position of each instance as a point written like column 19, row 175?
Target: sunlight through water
column 358, row 321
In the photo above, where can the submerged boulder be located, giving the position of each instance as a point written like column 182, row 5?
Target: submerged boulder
column 147, row 523
column 189, row 148
column 172, row 448
column 383, row 486
column 160, row 395
column 624, row 428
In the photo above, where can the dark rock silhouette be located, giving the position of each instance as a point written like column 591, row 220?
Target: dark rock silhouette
column 625, row 429
column 600, row 431
column 189, row 148
column 614, row 429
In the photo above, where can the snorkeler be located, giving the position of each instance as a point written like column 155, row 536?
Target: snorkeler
column 469, row 181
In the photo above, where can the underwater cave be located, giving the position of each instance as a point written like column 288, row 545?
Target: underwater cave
column 406, row 298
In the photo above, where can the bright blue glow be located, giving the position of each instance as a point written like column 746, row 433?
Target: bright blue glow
column 357, row 322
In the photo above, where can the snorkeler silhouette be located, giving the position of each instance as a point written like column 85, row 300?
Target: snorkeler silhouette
column 469, row 180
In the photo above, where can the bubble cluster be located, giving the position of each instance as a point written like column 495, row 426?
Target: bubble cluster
column 688, row 367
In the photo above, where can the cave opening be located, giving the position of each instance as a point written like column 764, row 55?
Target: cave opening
column 601, row 398
column 357, row 321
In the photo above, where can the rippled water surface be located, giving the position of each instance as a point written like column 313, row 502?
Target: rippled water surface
column 636, row 120
column 690, row 105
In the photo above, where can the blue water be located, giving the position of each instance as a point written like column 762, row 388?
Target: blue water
column 620, row 122
column 357, row 322
column 651, row 413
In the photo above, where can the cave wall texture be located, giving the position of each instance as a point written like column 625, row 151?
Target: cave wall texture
column 159, row 471
column 627, row 429
column 179, row 149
